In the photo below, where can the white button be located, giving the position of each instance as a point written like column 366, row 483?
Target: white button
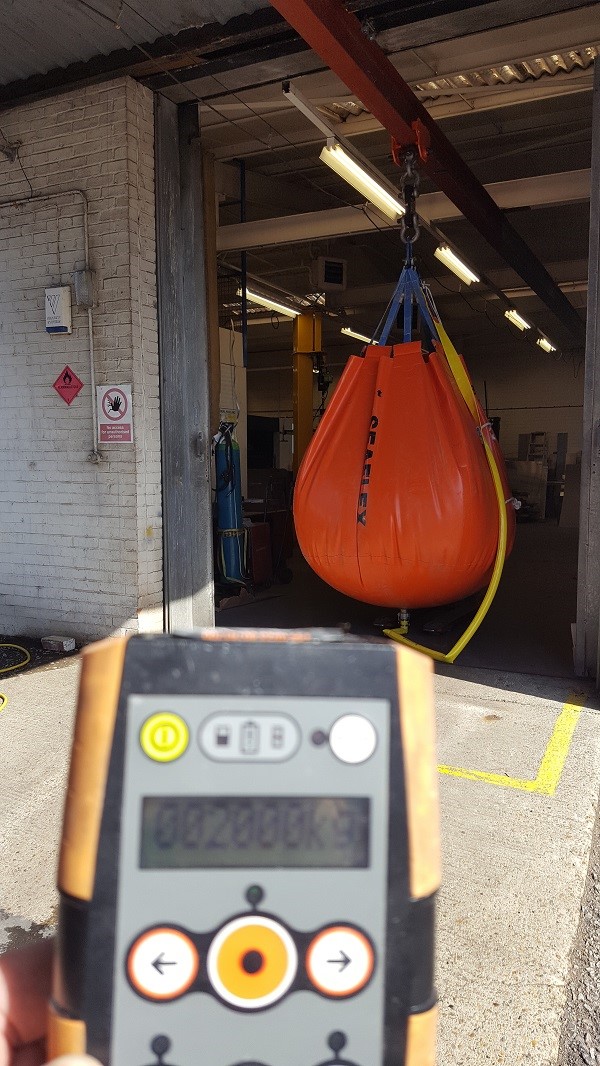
column 353, row 738
column 162, row 964
column 340, row 961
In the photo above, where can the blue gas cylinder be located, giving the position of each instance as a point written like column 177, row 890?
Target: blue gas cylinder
column 231, row 535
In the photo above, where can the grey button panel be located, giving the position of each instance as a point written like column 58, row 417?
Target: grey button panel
column 256, row 737
column 294, row 1030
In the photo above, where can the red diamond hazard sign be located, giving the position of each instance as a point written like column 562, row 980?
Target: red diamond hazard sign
column 68, row 385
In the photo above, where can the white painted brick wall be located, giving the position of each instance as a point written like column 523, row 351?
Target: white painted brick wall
column 80, row 543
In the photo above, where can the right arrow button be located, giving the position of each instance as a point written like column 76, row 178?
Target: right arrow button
column 340, row 961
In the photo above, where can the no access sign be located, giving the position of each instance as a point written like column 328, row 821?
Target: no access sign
column 115, row 415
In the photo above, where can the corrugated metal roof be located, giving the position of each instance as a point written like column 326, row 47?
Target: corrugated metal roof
column 41, row 35
column 525, row 70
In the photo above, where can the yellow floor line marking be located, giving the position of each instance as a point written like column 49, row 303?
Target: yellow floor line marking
column 553, row 759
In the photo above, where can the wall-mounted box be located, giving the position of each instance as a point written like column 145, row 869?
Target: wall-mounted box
column 83, row 283
column 328, row 275
column 58, row 309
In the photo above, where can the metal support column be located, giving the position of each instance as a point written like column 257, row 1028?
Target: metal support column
column 212, row 288
column 307, row 342
column 587, row 646
column 183, row 354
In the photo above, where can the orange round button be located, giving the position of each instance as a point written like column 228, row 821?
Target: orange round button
column 340, row 961
column 162, row 963
column 252, row 962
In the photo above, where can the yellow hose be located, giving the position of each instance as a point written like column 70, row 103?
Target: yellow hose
column 466, row 389
column 17, row 666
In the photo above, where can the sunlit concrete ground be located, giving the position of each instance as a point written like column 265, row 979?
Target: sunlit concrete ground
column 514, row 856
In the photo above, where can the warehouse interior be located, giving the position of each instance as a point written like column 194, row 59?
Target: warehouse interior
column 516, row 100
column 514, row 96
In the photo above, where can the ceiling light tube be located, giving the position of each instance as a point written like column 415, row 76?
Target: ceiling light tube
column 514, row 317
column 545, row 344
column 357, row 336
column 271, row 305
column 446, row 256
column 352, row 172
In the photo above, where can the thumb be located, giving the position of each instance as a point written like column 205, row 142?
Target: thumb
column 74, row 1060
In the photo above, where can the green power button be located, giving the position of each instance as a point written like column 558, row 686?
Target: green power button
column 164, row 736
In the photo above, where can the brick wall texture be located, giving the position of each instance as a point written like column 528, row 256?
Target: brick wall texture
column 80, row 542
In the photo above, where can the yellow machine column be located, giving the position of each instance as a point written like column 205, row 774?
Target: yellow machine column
column 307, row 342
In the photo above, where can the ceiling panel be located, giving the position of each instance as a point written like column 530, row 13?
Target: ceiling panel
column 38, row 36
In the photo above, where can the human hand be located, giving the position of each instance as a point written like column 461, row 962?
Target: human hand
column 24, row 995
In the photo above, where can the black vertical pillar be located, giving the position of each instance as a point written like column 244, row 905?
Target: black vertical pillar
column 587, row 649
column 183, row 358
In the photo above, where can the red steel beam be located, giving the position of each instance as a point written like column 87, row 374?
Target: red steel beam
column 337, row 37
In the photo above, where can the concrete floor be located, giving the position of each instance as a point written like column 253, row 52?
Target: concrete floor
column 520, row 750
column 515, row 851
column 514, row 861
column 35, row 734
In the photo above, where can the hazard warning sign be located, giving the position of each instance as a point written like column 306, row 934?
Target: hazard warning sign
column 115, row 416
column 68, row 385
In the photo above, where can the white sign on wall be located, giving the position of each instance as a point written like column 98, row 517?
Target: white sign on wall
column 115, row 414
column 58, row 309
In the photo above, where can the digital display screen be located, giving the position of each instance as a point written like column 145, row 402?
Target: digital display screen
column 200, row 832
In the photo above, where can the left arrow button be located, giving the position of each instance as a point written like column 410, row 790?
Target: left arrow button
column 162, row 963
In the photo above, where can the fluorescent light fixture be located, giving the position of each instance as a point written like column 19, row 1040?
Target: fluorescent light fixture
column 357, row 336
column 309, row 111
column 360, row 179
column 514, row 317
column 456, row 265
column 271, row 305
column 545, row 344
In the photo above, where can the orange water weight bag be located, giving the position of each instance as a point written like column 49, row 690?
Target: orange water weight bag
column 394, row 503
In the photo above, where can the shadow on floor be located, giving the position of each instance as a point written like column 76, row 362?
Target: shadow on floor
column 18, row 654
column 527, row 630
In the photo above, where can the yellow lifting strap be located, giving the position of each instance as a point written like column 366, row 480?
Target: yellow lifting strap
column 458, row 371
column 466, row 389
